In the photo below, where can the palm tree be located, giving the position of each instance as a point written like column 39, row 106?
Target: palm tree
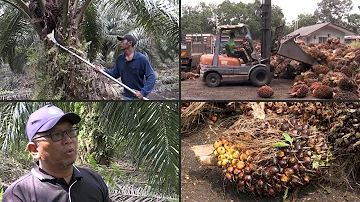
column 146, row 133
column 158, row 49
column 61, row 76
column 13, row 46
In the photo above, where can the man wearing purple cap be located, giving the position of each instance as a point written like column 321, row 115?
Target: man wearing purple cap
column 53, row 143
column 133, row 68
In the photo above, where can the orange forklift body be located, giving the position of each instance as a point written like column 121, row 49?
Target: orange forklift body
column 223, row 60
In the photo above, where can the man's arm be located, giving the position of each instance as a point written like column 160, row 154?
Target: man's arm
column 232, row 44
column 114, row 72
column 149, row 79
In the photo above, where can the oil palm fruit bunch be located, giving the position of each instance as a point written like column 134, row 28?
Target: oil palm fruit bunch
column 265, row 92
column 266, row 157
column 300, row 91
column 345, row 134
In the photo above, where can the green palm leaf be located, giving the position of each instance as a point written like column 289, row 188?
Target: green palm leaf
column 13, row 117
column 151, row 131
column 157, row 19
column 15, row 35
column 91, row 31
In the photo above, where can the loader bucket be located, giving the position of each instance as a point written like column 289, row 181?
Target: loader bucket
column 293, row 51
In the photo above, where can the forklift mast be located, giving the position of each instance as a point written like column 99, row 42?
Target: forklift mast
column 288, row 48
column 265, row 29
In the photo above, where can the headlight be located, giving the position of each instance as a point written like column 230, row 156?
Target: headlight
column 184, row 60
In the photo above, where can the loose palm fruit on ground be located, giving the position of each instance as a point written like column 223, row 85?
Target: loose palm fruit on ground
column 213, row 118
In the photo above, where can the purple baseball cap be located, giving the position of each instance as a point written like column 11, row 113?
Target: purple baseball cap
column 46, row 118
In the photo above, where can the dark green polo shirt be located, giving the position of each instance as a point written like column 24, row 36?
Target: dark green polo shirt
column 38, row 186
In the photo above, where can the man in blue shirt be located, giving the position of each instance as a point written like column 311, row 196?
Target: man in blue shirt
column 133, row 68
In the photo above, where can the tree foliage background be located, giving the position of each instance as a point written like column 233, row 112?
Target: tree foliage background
column 203, row 17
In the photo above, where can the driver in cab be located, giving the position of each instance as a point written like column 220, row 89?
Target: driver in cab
column 236, row 51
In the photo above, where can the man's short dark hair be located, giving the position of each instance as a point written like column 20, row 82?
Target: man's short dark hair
column 232, row 34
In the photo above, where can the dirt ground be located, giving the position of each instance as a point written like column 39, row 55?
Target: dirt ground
column 166, row 95
column 203, row 183
column 236, row 89
column 19, row 87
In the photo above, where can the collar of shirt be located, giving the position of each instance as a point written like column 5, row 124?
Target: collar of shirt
column 135, row 56
column 44, row 176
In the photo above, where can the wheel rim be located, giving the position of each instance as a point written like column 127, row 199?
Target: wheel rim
column 261, row 76
column 213, row 80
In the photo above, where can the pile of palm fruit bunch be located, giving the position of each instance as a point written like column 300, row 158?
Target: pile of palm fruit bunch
column 325, row 116
column 337, row 122
column 285, row 68
column 336, row 119
column 334, row 77
column 344, row 136
column 268, row 156
column 315, row 113
column 346, row 132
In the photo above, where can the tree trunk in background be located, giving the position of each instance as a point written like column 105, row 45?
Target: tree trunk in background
column 58, row 74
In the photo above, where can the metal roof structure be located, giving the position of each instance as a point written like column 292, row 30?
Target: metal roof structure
column 352, row 37
column 239, row 26
column 308, row 30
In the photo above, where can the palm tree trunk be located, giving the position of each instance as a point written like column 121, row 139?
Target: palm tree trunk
column 58, row 74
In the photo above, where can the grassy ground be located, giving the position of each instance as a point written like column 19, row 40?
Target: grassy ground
column 14, row 86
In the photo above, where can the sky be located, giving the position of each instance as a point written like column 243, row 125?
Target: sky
column 290, row 8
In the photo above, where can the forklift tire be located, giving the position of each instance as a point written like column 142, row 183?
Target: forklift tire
column 260, row 76
column 213, row 79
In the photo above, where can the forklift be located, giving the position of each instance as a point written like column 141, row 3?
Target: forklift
column 214, row 67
